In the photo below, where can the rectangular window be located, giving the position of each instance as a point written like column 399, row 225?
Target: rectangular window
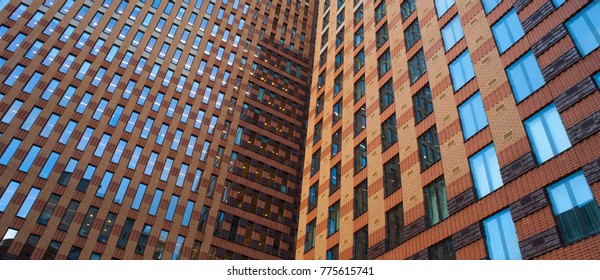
column 461, row 70
column 125, row 233
column 525, row 76
column 382, row 35
column 171, row 208
column 67, row 217
column 452, row 33
column 333, row 220
column 361, row 196
column 360, row 156
column 315, row 163
column 507, row 31
column 52, row 250
column 416, row 66
column 584, row 30
column 442, row 6
column 389, row 132
column 472, row 116
column 391, row 176
column 574, row 207
column 547, row 133
column 359, row 88
column 429, row 148
column 384, row 63
column 436, row 201
column 143, row 239
column 361, row 244
column 443, row 250
column 121, row 190
column 486, row 171
column 313, row 193
column 107, row 227
column 48, row 209
column 360, row 120
column 412, row 34
column 394, row 227
column 501, row 237
column 86, row 226
column 139, row 195
column 335, row 180
column 9, row 192
column 28, row 160
column 155, row 202
column 489, row 5
column 310, row 235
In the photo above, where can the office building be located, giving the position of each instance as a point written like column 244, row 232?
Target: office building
column 152, row 129
column 445, row 129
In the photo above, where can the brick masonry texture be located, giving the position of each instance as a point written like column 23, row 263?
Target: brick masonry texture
column 528, row 204
column 540, row 244
column 462, row 200
column 575, row 94
column 518, row 167
column 584, row 128
column 466, row 236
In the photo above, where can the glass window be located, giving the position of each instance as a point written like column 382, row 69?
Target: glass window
column 489, row 5
column 10, row 151
column 309, row 238
column 139, row 195
column 525, row 76
column 315, row 163
column 507, row 31
column 461, row 70
column 412, row 34
column 416, row 66
column 9, row 192
column 125, row 233
column 12, row 111
column 48, row 209
column 389, row 132
column 547, row 133
column 442, row 251
column 384, row 63
column 486, row 171
column 14, row 75
column 86, row 226
column 313, row 193
column 584, row 30
column 391, row 176
column 472, row 116
column 107, row 227
column 360, row 120
column 155, row 202
column 360, row 156
column 335, row 177
column 422, row 104
column 333, row 220
column 452, row 33
column 28, row 160
column 442, row 6
column 429, row 148
column 361, row 196
column 361, row 244
column 336, row 142
column 501, row 237
column 574, row 207
column 436, row 201
column 67, row 217
column 143, row 239
column 394, row 227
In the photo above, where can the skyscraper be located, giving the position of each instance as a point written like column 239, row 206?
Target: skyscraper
column 447, row 129
column 152, row 129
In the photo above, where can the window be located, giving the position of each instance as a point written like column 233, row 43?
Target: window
column 74, row 253
column 576, row 211
column 86, row 226
column 386, row 95
column 155, row 202
column 309, row 238
column 584, row 30
column 547, row 133
column 361, row 244
column 452, row 33
column 319, row 104
column 361, row 196
column 313, row 193
column 9, row 192
column 107, row 227
column 315, row 162
column 7, row 240
column 359, row 36
column 67, row 217
column 507, row 31
column 422, row 104
column 9, row 152
column 486, row 171
column 461, row 70
column 407, row 8
column 359, row 61
column 442, row 251
column 525, row 76
column 501, row 237
column 389, row 132
column 335, row 178
column 143, row 239
column 359, row 88
column 442, row 6
column 382, row 35
column 394, row 227
column 412, row 34
column 391, row 176
column 336, row 142
column 333, row 220
column 489, row 5
column 52, row 250
column 333, row 253
column 436, row 201
column 360, row 156
column 48, row 209
column 360, row 120
column 337, row 111
column 472, row 115
column 380, row 12
column 429, row 148
column 416, row 66
column 125, row 233
column 384, row 63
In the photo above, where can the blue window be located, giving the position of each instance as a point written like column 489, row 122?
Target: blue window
column 51, row 26
column 360, row 157
column 33, row 50
column 507, row 31
column 137, row 152
column 28, row 161
column 187, row 215
column 525, row 76
column 64, row 101
column 102, row 145
column 442, row 6
column 197, row 178
column 16, row 42
column 597, row 78
column 335, row 177
column 171, row 208
column 160, row 138
column 150, row 165
column 119, row 151
column 49, row 125
column 18, row 12
column 486, row 171
column 164, row 176
column 312, row 196
column 104, row 184
column 14, row 75
column 132, row 121
column 584, row 29
column 66, row 135
column 100, row 109
column 49, row 165
column 472, row 116
column 461, row 70
column 575, row 208
column 489, row 5
column 315, row 162
column 155, row 201
column 9, row 152
column 452, row 33
column 501, row 237
column 9, row 192
column 146, row 130
column 28, row 203
column 139, row 195
column 50, row 57
column 33, row 81
column 547, row 133
column 12, row 111
column 116, row 116
column 33, row 115
column 86, row 179
column 122, row 190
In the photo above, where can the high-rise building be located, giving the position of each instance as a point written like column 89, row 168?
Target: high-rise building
column 152, row 129
column 445, row 129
